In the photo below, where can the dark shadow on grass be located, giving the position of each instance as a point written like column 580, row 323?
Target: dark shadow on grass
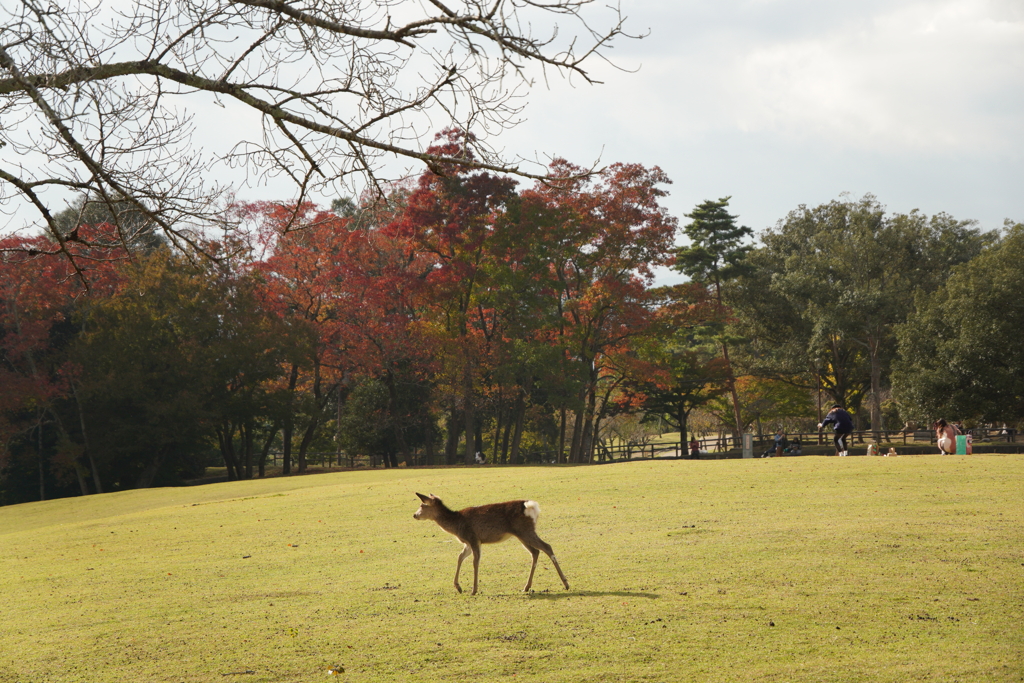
column 593, row 594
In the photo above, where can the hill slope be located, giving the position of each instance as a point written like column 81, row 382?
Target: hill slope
column 796, row 569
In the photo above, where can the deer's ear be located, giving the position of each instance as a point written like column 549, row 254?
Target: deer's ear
column 423, row 498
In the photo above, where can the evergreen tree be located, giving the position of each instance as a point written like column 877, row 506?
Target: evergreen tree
column 960, row 354
column 716, row 254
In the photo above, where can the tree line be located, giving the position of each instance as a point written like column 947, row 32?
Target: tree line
column 463, row 313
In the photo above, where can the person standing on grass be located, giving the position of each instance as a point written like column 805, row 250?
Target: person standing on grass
column 842, row 427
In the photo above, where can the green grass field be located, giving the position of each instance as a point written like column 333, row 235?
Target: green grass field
column 791, row 569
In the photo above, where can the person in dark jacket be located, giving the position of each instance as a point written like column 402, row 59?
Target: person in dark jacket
column 842, row 427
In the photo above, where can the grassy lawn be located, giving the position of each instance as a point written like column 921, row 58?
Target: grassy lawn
column 791, row 569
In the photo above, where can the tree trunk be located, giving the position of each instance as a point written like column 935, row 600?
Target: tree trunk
column 577, row 430
column 92, row 467
column 876, row 389
column 39, row 452
column 505, row 437
column 81, row 477
column 403, row 447
column 452, row 445
column 498, row 424
column 271, row 435
column 682, row 419
column 469, row 426
column 289, row 423
column 307, row 439
column 587, row 442
column 85, row 442
column 76, row 462
column 561, row 436
column 429, row 454
column 226, row 439
column 148, row 475
column 337, row 425
column 518, row 433
column 286, row 446
column 479, row 437
column 247, row 446
column 732, row 392
column 577, row 436
column 314, row 420
column 601, row 414
column 396, row 424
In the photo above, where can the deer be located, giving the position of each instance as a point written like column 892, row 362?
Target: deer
column 489, row 524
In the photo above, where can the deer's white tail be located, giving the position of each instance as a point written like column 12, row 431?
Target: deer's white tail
column 531, row 509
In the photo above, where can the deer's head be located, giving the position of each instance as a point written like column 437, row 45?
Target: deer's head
column 429, row 506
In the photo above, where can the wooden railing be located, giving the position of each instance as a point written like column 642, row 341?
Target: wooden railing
column 714, row 444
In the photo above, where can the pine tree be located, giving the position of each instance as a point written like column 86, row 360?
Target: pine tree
column 716, row 254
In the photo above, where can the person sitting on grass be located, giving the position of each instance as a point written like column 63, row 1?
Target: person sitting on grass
column 945, row 435
column 781, row 442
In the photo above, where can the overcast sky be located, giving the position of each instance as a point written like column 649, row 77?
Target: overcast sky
column 786, row 102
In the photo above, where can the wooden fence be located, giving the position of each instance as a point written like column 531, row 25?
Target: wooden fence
column 708, row 445
column 863, row 436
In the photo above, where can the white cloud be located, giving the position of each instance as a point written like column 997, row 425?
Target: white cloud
column 917, row 75
column 924, row 76
column 784, row 102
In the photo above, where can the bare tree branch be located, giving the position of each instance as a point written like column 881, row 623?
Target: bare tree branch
column 103, row 100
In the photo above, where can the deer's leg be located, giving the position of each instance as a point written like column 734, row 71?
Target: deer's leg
column 533, row 567
column 476, row 567
column 466, row 550
column 565, row 582
column 532, row 540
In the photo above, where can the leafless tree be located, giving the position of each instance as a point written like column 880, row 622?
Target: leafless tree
column 104, row 98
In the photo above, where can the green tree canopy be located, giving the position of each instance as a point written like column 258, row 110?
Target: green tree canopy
column 717, row 246
column 839, row 277
column 166, row 362
column 960, row 354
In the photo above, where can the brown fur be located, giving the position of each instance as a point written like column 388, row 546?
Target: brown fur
column 487, row 524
